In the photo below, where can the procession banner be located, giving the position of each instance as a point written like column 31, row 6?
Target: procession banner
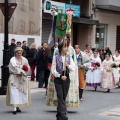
column 61, row 25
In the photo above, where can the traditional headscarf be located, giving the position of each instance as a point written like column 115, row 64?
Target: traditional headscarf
column 98, row 55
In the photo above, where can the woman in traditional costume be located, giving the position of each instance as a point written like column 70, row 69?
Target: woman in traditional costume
column 93, row 76
column 81, row 59
column 116, row 71
column 18, row 92
column 72, row 100
column 61, row 67
column 107, row 80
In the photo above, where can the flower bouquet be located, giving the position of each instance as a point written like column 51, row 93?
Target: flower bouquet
column 119, row 65
column 25, row 68
column 49, row 66
column 113, row 65
column 97, row 64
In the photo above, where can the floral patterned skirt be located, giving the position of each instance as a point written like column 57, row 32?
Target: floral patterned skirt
column 72, row 100
column 108, row 81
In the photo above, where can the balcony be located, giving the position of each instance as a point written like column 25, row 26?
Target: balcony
column 112, row 5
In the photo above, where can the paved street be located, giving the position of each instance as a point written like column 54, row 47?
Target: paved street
column 96, row 106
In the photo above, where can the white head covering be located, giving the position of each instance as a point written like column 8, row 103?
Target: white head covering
column 92, row 56
column 111, row 59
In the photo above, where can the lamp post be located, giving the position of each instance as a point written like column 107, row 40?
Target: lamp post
column 5, row 69
column 6, row 9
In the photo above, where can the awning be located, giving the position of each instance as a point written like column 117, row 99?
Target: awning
column 75, row 20
column 85, row 21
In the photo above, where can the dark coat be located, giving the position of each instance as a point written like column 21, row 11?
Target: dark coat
column 12, row 50
column 42, row 61
column 108, row 51
column 25, row 51
column 31, row 54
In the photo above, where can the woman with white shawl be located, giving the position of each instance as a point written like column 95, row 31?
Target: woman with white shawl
column 107, row 76
column 116, row 70
column 93, row 76
column 18, row 92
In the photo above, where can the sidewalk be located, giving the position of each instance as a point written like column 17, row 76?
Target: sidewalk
column 33, row 87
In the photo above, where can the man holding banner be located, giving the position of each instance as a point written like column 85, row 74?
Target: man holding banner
column 72, row 100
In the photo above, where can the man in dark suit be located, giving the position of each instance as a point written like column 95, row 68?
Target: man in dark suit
column 12, row 48
column 41, row 64
column 25, row 49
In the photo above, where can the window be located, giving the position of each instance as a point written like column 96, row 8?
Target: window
column 101, row 36
column 30, row 41
column 118, row 38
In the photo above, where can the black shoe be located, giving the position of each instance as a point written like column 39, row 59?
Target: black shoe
column 107, row 91
column 14, row 112
column 95, row 88
column 18, row 109
column 40, row 86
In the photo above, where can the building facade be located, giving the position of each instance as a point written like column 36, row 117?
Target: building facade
column 98, row 24
column 108, row 31
column 25, row 23
column 82, row 27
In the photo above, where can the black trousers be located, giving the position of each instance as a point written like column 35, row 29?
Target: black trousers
column 80, row 93
column 43, row 78
column 62, row 88
column 37, row 73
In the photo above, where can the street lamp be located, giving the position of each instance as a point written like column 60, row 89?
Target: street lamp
column 7, row 9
